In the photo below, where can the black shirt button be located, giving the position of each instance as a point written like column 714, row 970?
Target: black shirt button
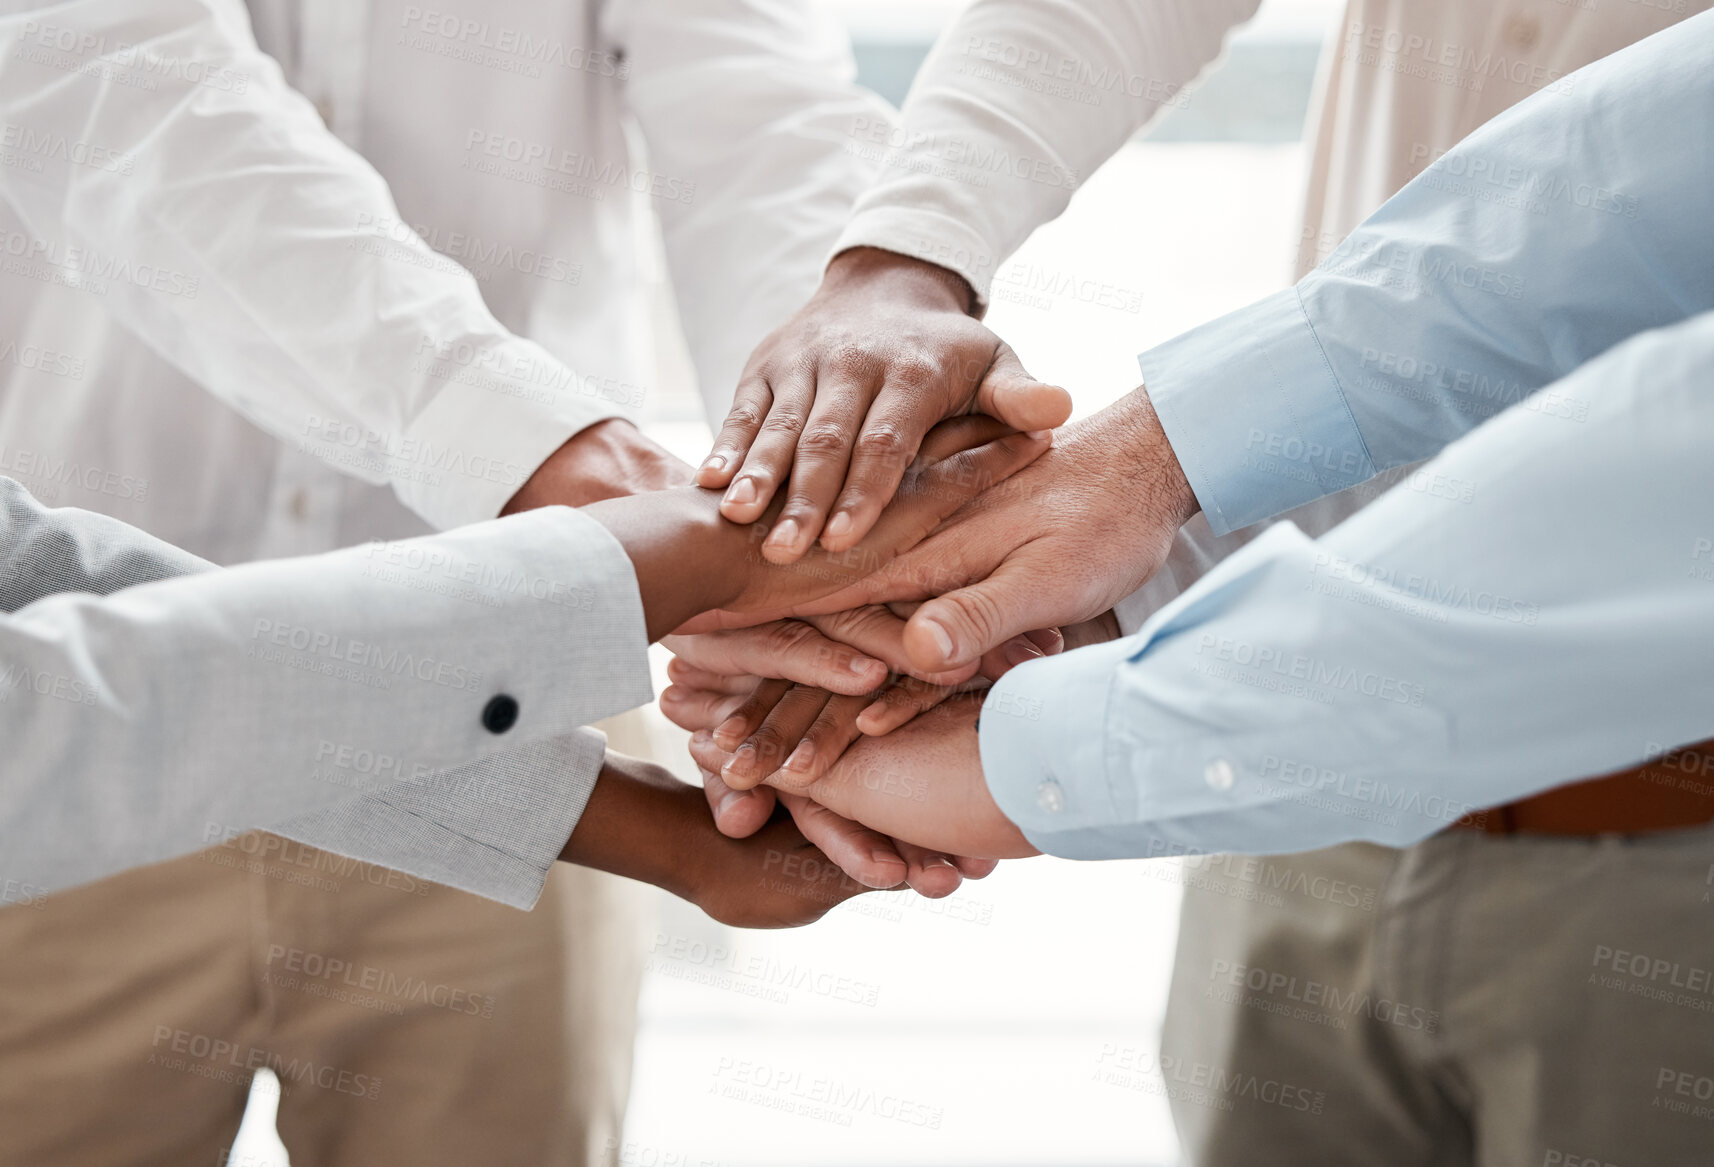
column 500, row 714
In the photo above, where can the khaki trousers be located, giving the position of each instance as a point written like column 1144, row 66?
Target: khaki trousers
column 408, row 1023
column 1504, row 1001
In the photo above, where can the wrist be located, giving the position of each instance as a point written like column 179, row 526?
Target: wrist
column 1145, row 445
column 687, row 558
column 610, row 459
column 907, row 278
column 639, row 823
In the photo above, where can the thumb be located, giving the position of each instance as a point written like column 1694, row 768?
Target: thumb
column 1009, row 393
column 961, row 625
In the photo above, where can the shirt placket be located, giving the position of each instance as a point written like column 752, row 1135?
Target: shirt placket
column 328, row 65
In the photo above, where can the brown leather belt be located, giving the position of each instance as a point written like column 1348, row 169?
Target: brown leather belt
column 1673, row 791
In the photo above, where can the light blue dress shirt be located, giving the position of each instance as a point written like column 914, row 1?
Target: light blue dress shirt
column 1536, row 605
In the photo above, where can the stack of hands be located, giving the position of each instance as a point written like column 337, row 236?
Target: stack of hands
column 902, row 525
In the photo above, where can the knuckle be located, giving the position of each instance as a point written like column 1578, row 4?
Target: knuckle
column 848, row 359
column 917, row 371
column 745, row 416
column 884, row 444
column 823, row 441
column 783, row 421
column 790, row 637
column 770, row 745
column 981, row 614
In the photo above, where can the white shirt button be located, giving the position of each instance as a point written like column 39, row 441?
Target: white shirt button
column 1218, row 774
column 1050, row 797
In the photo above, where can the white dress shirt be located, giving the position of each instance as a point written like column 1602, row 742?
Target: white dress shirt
column 536, row 145
column 220, row 323
column 415, row 704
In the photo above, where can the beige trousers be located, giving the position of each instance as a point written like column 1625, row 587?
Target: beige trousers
column 408, row 1023
column 1519, row 1001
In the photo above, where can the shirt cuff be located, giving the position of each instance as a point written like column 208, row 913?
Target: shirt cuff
column 498, row 414
column 1254, row 413
column 493, row 828
column 926, row 235
column 1045, row 750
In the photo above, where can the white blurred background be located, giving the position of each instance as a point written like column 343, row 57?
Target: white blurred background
column 1013, row 1025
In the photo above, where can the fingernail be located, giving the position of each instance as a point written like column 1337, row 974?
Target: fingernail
column 862, row 664
column 732, row 727
column 801, row 757
column 715, row 462
column 942, row 638
column 885, row 856
column 939, row 861
column 743, row 492
column 838, row 525
column 731, row 799
column 784, row 536
column 1039, row 435
column 1021, row 650
column 741, row 761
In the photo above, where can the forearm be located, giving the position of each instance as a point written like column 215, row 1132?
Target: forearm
column 1428, row 657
